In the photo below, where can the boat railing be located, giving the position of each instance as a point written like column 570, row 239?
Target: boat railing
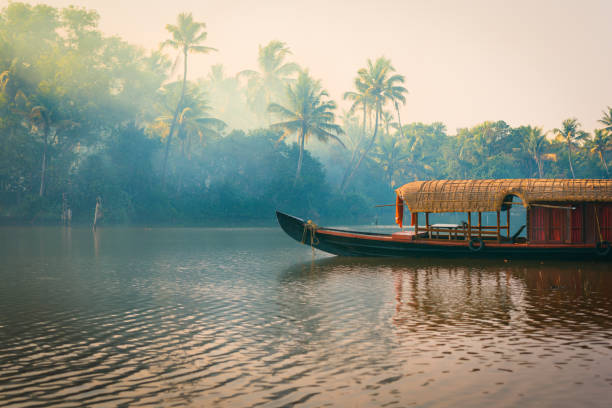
column 460, row 231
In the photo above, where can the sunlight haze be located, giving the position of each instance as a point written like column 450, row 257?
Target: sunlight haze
column 465, row 62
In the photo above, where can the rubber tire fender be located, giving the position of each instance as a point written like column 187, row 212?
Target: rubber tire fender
column 476, row 244
column 602, row 248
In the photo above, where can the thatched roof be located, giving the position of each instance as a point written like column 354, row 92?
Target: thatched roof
column 489, row 195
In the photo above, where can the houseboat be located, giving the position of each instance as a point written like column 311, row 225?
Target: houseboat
column 564, row 219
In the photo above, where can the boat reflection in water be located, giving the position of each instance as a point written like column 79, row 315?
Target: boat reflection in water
column 458, row 332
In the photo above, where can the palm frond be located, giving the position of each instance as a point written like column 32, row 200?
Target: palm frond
column 212, row 121
column 286, row 133
column 202, row 49
column 276, row 108
column 288, row 69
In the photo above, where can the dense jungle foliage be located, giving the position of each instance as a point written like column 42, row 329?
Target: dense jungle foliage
column 84, row 115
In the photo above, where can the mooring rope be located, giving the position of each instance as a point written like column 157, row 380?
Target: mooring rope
column 598, row 227
column 310, row 229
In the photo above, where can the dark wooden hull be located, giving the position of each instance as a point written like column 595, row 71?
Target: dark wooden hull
column 365, row 244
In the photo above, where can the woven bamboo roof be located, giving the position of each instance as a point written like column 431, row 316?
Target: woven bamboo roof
column 489, row 195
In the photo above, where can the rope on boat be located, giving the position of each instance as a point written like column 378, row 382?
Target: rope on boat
column 602, row 248
column 598, row 227
column 310, row 230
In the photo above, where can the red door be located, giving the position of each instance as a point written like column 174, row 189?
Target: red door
column 577, row 224
column 558, row 218
column 605, row 222
column 550, row 225
column 537, row 224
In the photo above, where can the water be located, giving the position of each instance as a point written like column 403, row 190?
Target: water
column 246, row 317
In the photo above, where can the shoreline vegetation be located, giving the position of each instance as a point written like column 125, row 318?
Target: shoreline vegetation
column 87, row 117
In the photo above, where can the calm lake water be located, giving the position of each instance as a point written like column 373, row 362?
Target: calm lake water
column 247, row 317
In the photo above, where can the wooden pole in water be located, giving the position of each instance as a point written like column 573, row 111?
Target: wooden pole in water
column 416, row 223
column 508, row 221
column 479, row 225
column 469, row 214
column 498, row 227
column 97, row 212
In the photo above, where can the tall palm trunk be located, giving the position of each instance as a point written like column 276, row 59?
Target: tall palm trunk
column 367, row 150
column 44, row 165
column 188, row 147
column 299, row 166
column 603, row 162
column 539, row 165
column 268, row 115
column 569, row 157
column 399, row 120
column 356, row 150
column 182, row 171
column 174, row 119
column 365, row 114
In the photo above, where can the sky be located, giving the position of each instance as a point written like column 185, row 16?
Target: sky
column 533, row 62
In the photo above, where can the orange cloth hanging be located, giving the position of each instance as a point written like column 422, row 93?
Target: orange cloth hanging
column 413, row 219
column 399, row 211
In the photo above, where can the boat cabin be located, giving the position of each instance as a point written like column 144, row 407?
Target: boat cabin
column 558, row 212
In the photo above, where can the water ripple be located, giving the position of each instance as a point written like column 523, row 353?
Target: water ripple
column 230, row 319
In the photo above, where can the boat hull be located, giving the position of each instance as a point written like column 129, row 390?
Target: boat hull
column 363, row 244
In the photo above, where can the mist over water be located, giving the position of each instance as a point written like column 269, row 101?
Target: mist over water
column 186, row 132
column 247, row 317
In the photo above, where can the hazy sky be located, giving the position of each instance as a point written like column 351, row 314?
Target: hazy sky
column 523, row 61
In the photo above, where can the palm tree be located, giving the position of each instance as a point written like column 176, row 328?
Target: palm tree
column 218, row 84
column 570, row 134
column 378, row 82
column 228, row 98
column 354, row 137
column 360, row 99
column 193, row 123
column 606, row 119
column 421, row 142
column 273, row 77
column 387, row 122
column 392, row 154
column 4, row 79
column 40, row 119
column 187, row 36
column 308, row 112
column 193, row 120
column 534, row 142
column 396, row 95
column 601, row 143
